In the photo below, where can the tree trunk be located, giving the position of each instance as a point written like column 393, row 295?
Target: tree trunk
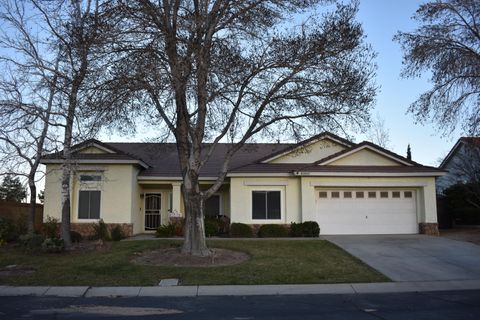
column 33, row 202
column 65, row 232
column 194, row 243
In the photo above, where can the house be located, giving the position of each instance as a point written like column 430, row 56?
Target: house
column 462, row 163
column 347, row 188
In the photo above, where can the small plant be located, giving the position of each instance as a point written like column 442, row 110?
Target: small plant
column 31, row 240
column 241, row 230
column 53, row 245
column 165, row 231
column 100, row 231
column 75, row 236
column 117, row 233
column 272, row 231
column 212, row 227
column 310, row 229
column 50, row 227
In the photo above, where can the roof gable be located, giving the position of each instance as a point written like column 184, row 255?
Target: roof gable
column 310, row 150
column 368, row 154
column 475, row 141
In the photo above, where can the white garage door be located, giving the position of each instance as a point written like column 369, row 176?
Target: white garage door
column 366, row 211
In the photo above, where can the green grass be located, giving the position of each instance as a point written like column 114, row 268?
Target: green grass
column 272, row 262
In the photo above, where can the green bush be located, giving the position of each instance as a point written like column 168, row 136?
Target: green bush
column 117, row 233
column 272, row 231
column 53, row 245
column 75, row 236
column 100, row 231
column 165, row 231
column 310, row 229
column 50, row 227
column 241, row 230
column 296, row 229
column 8, row 231
column 212, row 227
column 31, row 240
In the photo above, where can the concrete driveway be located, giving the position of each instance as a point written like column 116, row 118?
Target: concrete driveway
column 414, row 257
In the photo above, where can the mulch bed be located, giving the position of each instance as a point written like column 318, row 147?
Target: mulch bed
column 174, row 257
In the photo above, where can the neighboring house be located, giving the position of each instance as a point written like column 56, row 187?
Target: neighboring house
column 347, row 188
column 462, row 163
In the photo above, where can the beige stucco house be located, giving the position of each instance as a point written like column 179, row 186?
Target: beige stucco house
column 347, row 188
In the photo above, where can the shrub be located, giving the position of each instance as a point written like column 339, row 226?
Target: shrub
column 117, row 233
column 306, row 229
column 212, row 227
column 272, row 231
column 165, row 231
column 75, row 236
column 50, row 227
column 31, row 240
column 296, row 229
column 467, row 215
column 310, row 229
column 100, row 231
column 179, row 224
column 241, row 230
column 53, row 245
column 8, row 231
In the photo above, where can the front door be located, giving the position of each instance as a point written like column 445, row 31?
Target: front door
column 153, row 205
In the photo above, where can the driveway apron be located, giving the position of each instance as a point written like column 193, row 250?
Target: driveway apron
column 414, row 257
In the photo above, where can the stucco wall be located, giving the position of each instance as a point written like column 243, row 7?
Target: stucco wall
column 364, row 157
column 241, row 198
column 116, row 192
column 311, row 153
column 298, row 195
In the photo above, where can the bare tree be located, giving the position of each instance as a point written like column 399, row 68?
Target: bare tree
column 76, row 27
column 447, row 43
column 68, row 54
column 27, row 90
column 218, row 69
column 379, row 133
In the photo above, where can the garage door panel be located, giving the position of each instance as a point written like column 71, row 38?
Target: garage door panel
column 370, row 214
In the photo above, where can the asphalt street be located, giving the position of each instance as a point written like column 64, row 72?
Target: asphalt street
column 425, row 305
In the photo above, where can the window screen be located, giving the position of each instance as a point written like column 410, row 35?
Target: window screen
column 89, row 205
column 266, row 205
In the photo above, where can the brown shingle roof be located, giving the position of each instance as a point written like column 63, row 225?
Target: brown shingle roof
column 162, row 159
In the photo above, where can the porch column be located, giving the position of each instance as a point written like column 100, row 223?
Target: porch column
column 176, row 198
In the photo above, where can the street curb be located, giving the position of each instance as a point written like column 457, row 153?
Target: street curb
column 242, row 290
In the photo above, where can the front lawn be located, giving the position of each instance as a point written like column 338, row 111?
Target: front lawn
column 272, row 262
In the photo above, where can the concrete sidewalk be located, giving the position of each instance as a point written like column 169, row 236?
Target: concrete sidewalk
column 242, row 290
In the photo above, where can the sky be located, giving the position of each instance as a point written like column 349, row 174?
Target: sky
column 381, row 20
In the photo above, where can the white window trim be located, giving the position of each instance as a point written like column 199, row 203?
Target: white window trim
column 282, row 205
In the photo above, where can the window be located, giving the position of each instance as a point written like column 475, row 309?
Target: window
column 372, row 194
column 347, row 194
column 89, row 205
column 266, row 205
column 335, row 194
column 359, row 194
column 212, row 206
column 407, row 194
column 322, row 194
column 383, row 194
column 396, row 194
column 90, row 177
